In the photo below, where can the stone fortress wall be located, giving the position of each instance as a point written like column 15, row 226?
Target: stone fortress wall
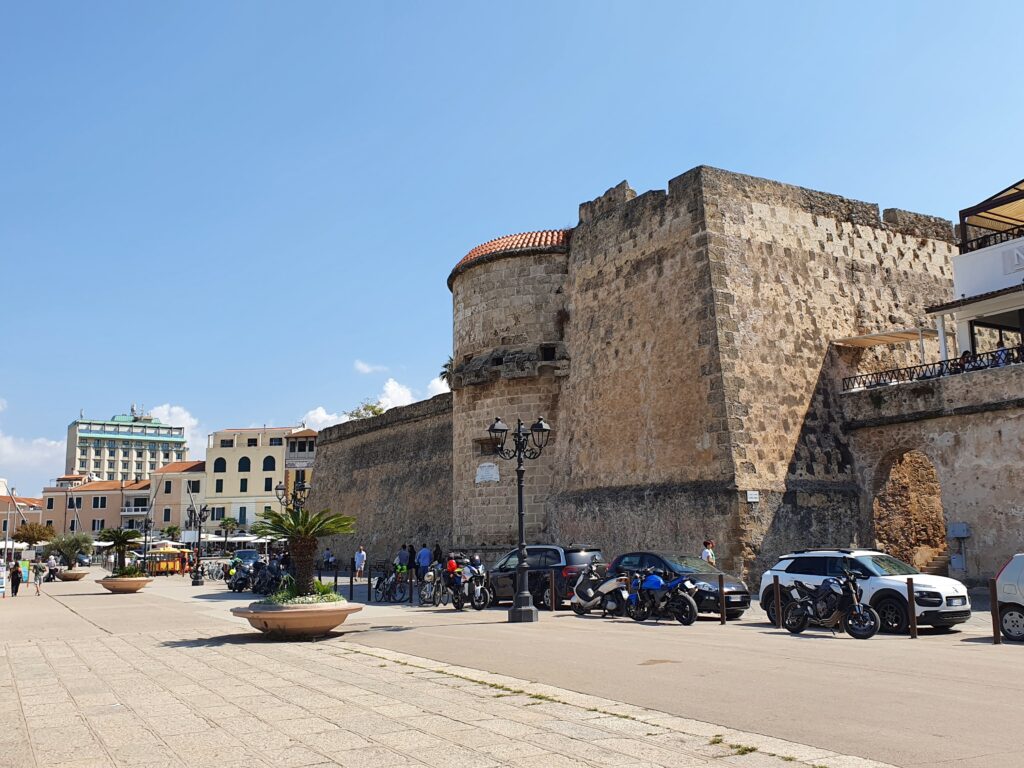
column 679, row 344
column 393, row 473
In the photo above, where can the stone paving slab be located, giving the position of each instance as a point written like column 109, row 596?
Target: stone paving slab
column 195, row 696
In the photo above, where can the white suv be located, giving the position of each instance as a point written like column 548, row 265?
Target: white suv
column 940, row 601
column 1010, row 587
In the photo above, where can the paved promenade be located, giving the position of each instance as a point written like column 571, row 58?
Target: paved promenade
column 168, row 678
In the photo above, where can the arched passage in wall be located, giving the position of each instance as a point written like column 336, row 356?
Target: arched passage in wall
column 906, row 510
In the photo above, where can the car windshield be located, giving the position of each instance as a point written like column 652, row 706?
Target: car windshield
column 886, row 565
column 689, row 564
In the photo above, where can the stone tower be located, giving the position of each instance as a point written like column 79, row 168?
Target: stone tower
column 509, row 359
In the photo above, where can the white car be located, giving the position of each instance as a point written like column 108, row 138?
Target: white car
column 1010, row 589
column 939, row 601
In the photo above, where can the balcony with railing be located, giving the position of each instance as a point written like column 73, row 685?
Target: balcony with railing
column 966, row 363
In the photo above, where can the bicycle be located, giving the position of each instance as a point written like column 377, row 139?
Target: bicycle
column 390, row 588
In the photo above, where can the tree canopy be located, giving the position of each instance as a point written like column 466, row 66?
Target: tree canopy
column 33, row 533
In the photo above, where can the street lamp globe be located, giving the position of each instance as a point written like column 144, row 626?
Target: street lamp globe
column 280, row 491
column 540, row 431
column 498, row 431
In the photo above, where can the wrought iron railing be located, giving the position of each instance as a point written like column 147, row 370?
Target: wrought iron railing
column 996, row 359
column 992, row 238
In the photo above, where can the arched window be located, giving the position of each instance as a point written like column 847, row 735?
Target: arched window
column 220, row 465
column 244, row 464
column 269, row 465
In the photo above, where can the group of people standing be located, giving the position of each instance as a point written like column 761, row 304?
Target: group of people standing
column 420, row 559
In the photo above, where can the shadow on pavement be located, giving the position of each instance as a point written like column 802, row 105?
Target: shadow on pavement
column 243, row 638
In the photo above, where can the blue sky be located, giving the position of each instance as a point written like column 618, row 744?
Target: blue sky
column 219, row 208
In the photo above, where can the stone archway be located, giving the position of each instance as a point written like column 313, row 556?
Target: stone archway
column 907, row 510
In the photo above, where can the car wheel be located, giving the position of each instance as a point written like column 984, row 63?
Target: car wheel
column 768, row 603
column 893, row 614
column 1011, row 621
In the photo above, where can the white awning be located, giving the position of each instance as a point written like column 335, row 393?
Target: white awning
column 885, row 338
column 8, row 544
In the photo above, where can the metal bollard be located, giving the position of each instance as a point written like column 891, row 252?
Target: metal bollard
column 778, row 602
column 369, row 580
column 993, row 596
column 335, row 577
column 911, row 609
column 552, row 588
column 721, row 595
column 351, row 585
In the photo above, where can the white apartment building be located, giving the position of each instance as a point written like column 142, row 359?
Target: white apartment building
column 127, row 447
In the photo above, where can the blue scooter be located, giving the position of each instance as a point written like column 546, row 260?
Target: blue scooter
column 650, row 595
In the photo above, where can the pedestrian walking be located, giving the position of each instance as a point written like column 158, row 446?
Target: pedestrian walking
column 14, row 576
column 183, row 559
column 422, row 561
column 38, row 571
column 360, row 561
column 51, row 568
column 708, row 555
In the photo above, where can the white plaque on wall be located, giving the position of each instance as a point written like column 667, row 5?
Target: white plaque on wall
column 753, row 496
column 487, row 473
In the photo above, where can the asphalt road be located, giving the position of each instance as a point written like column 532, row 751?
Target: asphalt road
column 944, row 699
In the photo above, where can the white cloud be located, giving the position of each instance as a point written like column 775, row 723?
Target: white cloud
column 437, row 386
column 29, row 464
column 395, row 394
column 319, row 418
column 179, row 416
column 365, row 368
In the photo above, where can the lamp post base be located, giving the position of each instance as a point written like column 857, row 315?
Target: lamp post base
column 523, row 610
column 198, row 581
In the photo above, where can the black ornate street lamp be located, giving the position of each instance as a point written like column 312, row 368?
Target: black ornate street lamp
column 522, row 609
column 297, row 498
column 196, row 520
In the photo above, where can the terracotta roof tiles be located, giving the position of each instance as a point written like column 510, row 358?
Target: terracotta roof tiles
column 554, row 240
column 182, row 466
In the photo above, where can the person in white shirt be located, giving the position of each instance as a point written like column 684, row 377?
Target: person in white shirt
column 708, row 555
column 360, row 561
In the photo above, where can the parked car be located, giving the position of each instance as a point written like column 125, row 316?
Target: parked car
column 939, row 601
column 1010, row 589
column 82, row 560
column 541, row 559
column 247, row 556
column 737, row 596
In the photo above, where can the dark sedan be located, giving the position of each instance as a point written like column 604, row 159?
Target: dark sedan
column 737, row 596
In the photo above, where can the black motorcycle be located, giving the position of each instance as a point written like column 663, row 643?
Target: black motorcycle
column 835, row 603
column 266, row 578
column 241, row 580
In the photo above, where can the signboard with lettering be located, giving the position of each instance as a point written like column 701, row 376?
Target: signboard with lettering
column 487, row 473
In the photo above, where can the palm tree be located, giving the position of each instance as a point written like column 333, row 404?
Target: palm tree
column 302, row 528
column 70, row 546
column 172, row 532
column 120, row 539
column 447, row 372
column 228, row 525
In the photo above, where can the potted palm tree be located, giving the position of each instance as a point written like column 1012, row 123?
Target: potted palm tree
column 70, row 546
column 124, row 579
column 302, row 607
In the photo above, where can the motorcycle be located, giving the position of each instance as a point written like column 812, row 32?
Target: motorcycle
column 267, row 578
column 651, row 596
column 241, row 579
column 595, row 589
column 469, row 585
column 432, row 590
column 834, row 604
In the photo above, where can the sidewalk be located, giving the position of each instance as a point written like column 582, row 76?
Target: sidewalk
column 168, row 678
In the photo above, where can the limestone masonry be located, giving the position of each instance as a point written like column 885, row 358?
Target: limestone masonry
column 679, row 343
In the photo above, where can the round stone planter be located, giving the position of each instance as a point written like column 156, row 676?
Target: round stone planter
column 313, row 620
column 72, row 575
column 122, row 585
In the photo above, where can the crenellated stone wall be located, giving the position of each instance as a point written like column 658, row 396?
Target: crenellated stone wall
column 679, row 343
